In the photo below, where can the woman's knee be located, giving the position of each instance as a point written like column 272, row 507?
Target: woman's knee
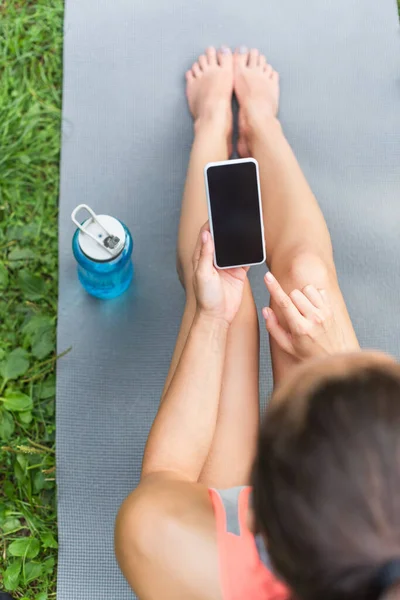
column 305, row 268
column 136, row 531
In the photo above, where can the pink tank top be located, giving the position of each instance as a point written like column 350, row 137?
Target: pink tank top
column 243, row 575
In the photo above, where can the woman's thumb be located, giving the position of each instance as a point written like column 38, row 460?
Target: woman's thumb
column 206, row 253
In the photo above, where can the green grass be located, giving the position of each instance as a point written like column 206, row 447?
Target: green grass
column 30, row 102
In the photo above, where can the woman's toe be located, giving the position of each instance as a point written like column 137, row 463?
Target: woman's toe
column 275, row 76
column 196, row 70
column 262, row 61
column 211, row 55
column 242, row 56
column 253, row 58
column 268, row 70
column 224, row 56
column 203, row 62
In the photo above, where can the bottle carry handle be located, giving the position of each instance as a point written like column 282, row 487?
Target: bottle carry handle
column 115, row 241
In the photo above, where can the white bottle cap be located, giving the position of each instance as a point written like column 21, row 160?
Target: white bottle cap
column 101, row 237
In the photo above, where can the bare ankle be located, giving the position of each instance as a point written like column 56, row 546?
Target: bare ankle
column 262, row 127
column 218, row 121
column 216, row 131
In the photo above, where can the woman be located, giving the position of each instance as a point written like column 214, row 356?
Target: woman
column 176, row 535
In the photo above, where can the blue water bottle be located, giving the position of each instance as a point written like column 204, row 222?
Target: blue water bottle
column 102, row 247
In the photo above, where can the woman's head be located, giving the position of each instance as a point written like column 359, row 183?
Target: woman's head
column 327, row 476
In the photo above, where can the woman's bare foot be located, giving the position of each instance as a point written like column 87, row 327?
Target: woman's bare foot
column 257, row 90
column 209, row 90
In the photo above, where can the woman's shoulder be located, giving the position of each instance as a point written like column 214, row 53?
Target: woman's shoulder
column 167, row 527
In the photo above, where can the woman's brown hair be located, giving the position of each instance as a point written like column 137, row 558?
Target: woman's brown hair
column 327, row 484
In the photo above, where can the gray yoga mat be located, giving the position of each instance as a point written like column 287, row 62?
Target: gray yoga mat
column 126, row 138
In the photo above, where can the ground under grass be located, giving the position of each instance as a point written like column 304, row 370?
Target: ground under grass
column 30, row 113
column 30, row 116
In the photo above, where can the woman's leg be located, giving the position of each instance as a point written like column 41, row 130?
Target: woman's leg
column 209, row 91
column 299, row 249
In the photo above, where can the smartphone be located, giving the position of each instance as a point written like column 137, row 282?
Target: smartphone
column 235, row 212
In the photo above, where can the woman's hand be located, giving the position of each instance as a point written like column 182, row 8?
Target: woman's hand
column 218, row 292
column 313, row 329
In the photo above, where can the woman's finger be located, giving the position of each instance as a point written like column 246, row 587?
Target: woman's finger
column 205, row 264
column 313, row 295
column 206, row 227
column 197, row 251
column 303, row 304
column 239, row 273
column 199, row 244
column 289, row 310
column 276, row 331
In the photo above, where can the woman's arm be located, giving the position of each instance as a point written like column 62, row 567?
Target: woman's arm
column 182, row 433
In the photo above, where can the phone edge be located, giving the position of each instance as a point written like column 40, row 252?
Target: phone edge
column 236, row 161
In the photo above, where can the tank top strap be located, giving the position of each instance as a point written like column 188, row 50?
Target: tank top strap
column 242, row 572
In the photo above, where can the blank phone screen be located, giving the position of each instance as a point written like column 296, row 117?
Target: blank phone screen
column 235, row 212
